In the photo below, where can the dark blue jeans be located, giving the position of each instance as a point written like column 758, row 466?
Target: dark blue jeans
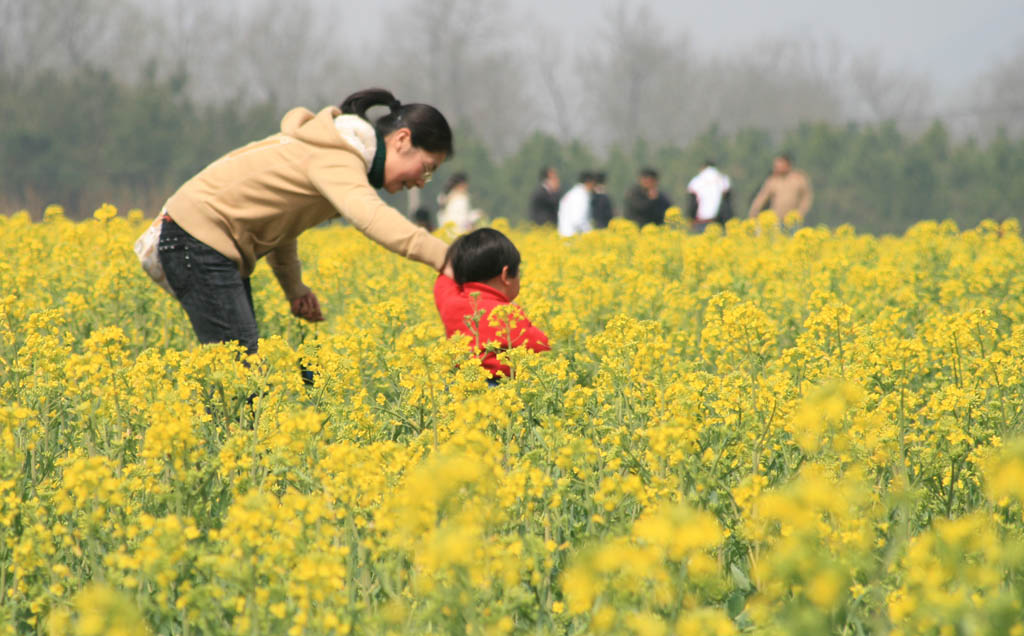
column 217, row 299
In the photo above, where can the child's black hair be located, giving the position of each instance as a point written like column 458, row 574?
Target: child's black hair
column 481, row 255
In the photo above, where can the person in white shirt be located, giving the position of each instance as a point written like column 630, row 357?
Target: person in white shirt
column 710, row 197
column 455, row 206
column 574, row 208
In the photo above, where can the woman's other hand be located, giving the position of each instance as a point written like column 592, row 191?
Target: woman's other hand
column 307, row 307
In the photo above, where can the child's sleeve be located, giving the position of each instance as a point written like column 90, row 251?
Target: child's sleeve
column 445, row 292
column 532, row 338
column 537, row 340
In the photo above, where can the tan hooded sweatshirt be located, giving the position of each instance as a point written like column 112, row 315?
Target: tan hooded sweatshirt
column 256, row 200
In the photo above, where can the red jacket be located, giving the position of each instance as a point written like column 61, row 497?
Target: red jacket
column 459, row 308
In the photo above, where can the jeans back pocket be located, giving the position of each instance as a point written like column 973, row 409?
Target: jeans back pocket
column 173, row 251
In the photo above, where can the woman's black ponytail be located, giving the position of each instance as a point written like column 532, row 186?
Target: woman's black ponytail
column 430, row 130
column 359, row 103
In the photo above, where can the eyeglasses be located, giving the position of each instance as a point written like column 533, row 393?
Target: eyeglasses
column 428, row 173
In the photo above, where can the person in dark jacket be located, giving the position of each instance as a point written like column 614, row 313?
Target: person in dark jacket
column 424, row 218
column 601, row 212
column 646, row 203
column 544, row 201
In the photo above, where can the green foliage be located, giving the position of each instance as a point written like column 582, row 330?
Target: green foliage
column 88, row 138
column 83, row 139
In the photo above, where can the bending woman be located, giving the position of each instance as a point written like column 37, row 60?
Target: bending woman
column 256, row 200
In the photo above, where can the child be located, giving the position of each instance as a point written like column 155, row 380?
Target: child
column 485, row 264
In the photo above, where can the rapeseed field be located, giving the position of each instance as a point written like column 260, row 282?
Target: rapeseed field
column 762, row 431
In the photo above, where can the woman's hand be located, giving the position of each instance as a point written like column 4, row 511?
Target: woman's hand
column 307, row 307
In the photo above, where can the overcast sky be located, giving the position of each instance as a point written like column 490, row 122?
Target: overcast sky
column 949, row 41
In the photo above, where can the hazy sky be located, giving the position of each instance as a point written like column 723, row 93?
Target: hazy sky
column 950, row 41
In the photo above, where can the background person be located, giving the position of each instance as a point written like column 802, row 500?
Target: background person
column 601, row 211
column 455, row 205
column 544, row 200
column 256, row 200
column 646, row 203
column 574, row 208
column 710, row 197
column 424, row 218
column 785, row 190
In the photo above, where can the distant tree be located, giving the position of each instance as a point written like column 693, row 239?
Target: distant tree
column 776, row 84
column 634, row 78
column 997, row 99
column 66, row 36
column 457, row 55
column 85, row 139
column 521, row 171
column 877, row 94
column 204, row 36
column 559, row 89
column 287, row 53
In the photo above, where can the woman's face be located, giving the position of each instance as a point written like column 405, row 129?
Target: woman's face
column 406, row 166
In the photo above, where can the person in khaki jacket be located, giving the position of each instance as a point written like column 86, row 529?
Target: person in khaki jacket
column 785, row 190
column 256, row 200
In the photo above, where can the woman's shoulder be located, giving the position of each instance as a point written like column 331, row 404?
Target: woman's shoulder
column 330, row 130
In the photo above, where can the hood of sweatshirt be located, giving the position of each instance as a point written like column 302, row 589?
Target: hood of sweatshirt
column 330, row 129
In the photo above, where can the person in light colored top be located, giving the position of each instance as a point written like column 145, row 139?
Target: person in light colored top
column 256, row 201
column 455, row 205
column 710, row 197
column 574, row 208
column 785, row 190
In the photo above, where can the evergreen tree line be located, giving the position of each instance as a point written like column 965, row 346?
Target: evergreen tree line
column 87, row 139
